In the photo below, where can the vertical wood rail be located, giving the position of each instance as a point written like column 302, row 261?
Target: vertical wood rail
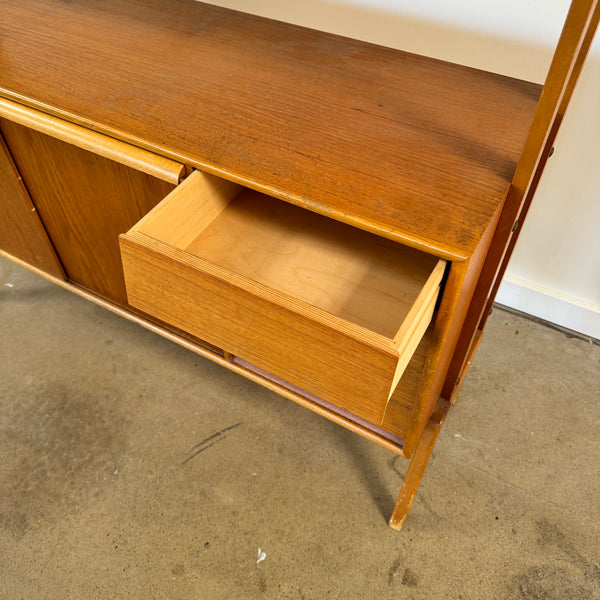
column 571, row 51
column 417, row 465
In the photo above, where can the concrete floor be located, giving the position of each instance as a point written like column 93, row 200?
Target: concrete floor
column 103, row 493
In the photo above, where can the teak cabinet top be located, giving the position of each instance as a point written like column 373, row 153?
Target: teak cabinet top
column 411, row 148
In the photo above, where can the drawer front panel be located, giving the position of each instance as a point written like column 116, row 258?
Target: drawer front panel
column 329, row 363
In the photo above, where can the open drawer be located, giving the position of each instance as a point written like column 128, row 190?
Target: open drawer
column 329, row 308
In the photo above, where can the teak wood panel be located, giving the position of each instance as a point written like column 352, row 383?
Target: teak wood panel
column 210, row 308
column 85, row 201
column 22, row 234
column 293, row 297
column 352, row 130
column 459, row 288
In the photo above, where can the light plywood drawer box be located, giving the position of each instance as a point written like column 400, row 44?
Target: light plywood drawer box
column 331, row 309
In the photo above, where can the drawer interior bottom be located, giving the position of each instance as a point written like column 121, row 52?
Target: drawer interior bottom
column 346, row 272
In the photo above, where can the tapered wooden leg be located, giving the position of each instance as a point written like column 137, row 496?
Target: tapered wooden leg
column 418, row 463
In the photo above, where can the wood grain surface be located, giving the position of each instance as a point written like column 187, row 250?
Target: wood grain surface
column 22, row 234
column 86, row 139
column 85, row 201
column 260, row 326
column 310, row 300
column 411, row 148
column 418, row 463
column 399, row 413
column 344, row 271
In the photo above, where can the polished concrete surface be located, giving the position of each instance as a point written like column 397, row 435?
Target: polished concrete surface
column 132, row 468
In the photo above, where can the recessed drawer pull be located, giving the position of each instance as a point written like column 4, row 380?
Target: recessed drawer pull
column 98, row 143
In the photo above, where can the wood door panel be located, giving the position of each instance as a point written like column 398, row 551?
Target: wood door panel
column 21, row 232
column 85, row 201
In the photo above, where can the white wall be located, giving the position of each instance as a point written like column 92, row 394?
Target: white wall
column 555, row 270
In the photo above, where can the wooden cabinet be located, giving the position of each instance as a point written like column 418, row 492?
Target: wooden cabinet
column 329, row 217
